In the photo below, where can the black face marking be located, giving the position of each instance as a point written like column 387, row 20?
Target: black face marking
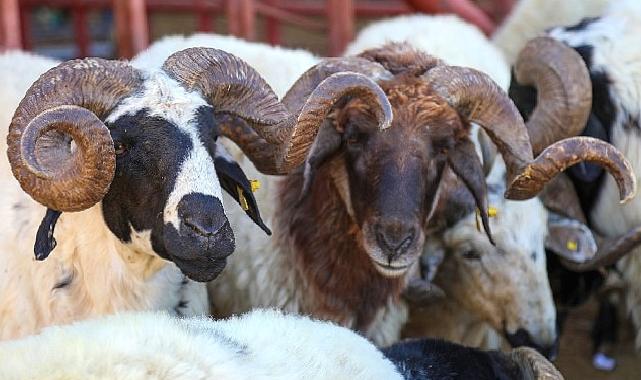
column 145, row 173
column 45, row 242
column 151, row 154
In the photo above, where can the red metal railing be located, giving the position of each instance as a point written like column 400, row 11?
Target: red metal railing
column 132, row 28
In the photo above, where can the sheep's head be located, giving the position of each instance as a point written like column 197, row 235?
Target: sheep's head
column 506, row 284
column 389, row 179
column 391, row 185
column 144, row 146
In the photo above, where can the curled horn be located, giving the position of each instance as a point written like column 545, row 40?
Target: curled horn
column 564, row 90
column 67, row 104
column 328, row 139
column 478, row 99
column 275, row 135
column 533, row 365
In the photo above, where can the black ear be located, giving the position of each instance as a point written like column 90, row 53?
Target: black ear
column 466, row 165
column 45, row 242
column 235, row 182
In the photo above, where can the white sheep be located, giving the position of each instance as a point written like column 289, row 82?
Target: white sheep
column 263, row 344
column 530, row 18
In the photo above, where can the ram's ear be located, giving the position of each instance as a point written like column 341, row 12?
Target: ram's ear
column 327, row 142
column 235, row 182
column 465, row 163
column 45, row 242
column 570, row 239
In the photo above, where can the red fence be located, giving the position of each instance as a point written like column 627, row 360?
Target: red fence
column 132, row 27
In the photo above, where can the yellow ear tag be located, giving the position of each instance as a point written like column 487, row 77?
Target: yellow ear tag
column 491, row 212
column 254, row 184
column 572, row 245
column 241, row 198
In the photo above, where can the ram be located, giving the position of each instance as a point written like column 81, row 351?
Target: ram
column 604, row 43
column 126, row 164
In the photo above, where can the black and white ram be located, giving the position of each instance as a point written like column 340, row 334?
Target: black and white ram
column 128, row 168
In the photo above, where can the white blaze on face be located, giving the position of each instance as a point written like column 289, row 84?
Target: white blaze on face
column 165, row 98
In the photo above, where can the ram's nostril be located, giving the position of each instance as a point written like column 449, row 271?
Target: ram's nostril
column 201, row 226
column 396, row 238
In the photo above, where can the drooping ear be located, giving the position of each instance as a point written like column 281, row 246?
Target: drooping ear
column 465, row 163
column 570, row 239
column 45, row 242
column 235, row 182
column 454, row 202
column 327, row 142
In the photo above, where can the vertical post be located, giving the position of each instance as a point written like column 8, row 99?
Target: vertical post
column 132, row 29
column 10, row 24
column 205, row 18
column 340, row 20
column 273, row 25
column 241, row 18
column 25, row 27
column 81, row 32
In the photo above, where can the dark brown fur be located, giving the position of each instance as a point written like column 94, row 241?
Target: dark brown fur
column 340, row 281
column 392, row 178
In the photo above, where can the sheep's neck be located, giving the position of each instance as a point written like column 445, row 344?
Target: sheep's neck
column 338, row 279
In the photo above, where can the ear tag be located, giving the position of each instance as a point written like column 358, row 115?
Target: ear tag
column 491, row 213
column 571, row 245
column 254, row 184
column 241, row 199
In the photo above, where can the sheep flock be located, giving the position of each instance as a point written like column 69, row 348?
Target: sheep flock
column 432, row 204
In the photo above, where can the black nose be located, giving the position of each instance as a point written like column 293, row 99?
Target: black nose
column 523, row 338
column 395, row 237
column 202, row 214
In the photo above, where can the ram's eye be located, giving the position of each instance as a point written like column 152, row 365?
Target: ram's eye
column 471, row 254
column 120, row 148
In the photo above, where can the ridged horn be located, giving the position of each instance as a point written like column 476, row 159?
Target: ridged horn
column 564, row 90
column 58, row 146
